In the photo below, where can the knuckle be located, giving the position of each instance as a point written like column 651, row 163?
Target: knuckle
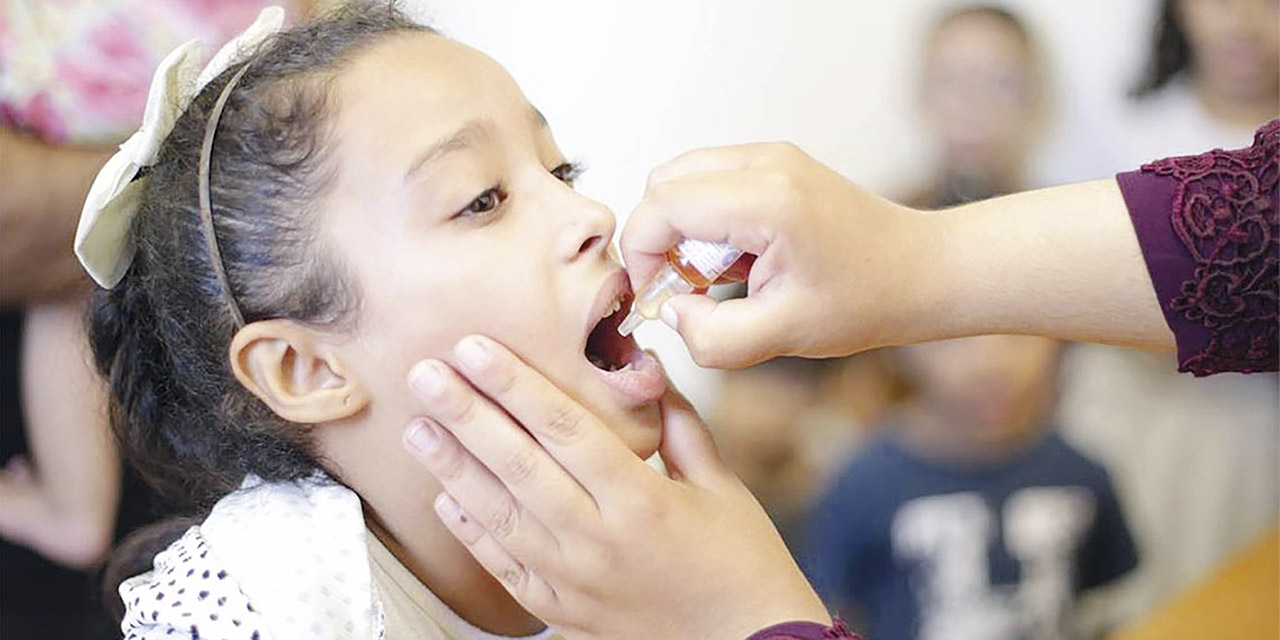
column 522, row 465
column 563, row 425
column 468, row 531
column 661, row 194
column 515, row 577
column 458, row 403
column 783, row 150
column 501, row 377
column 706, row 351
column 592, row 569
column 449, row 463
column 660, row 174
column 655, row 178
column 503, row 520
column 648, row 507
column 782, row 185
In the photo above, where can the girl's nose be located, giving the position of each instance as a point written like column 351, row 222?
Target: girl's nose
column 588, row 229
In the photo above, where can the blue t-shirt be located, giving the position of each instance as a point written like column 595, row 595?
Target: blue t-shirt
column 925, row 550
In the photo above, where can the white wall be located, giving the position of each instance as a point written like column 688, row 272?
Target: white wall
column 627, row 85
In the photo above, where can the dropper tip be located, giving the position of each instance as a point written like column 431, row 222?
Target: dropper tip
column 629, row 324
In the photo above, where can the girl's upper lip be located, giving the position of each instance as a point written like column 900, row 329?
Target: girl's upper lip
column 615, row 286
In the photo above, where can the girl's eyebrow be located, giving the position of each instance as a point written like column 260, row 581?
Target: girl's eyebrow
column 473, row 132
column 468, row 135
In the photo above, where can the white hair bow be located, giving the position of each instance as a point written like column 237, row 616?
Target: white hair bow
column 103, row 242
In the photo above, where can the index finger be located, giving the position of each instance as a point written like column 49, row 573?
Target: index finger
column 586, row 448
column 708, row 159
column 725, row 206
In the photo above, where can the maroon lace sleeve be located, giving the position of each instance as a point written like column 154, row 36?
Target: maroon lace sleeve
column 806, row 631
column 1209, row 234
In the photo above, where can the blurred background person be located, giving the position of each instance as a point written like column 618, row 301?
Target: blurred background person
column 981, row 100
column 73, row 82
column 968, row 517
column 1211, row 79
column 763, row 415
column 786, row 425
column 1196, row 461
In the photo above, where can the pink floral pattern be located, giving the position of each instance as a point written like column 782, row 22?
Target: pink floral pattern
column 77, row 71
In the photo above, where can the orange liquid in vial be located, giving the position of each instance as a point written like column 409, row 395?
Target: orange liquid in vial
column 687, row 270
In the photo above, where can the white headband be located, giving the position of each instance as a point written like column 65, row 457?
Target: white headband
column 103, row 242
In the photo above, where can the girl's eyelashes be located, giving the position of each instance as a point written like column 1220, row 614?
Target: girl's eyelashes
column 484, row 204
column 568, row 172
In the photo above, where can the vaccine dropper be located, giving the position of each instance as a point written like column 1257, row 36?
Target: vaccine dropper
column 692, row 264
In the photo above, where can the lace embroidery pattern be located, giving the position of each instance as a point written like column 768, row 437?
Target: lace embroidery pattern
column 1225, row 215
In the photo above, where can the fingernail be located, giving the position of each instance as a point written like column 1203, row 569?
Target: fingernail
column 426, row 379
column 447, row 508
column 471, row 353
column 668, row 314
column 422, row 436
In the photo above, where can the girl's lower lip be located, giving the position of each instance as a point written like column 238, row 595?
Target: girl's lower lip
column 642, row 382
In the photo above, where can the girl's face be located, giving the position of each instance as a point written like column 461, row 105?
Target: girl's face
column 454, row 213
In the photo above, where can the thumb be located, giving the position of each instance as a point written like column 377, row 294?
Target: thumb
column 687, row 448
column 725, row 335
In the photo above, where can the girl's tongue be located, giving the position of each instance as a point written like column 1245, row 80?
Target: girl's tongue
column 631, row 372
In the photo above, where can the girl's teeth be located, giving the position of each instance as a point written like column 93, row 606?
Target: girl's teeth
column 617, row 304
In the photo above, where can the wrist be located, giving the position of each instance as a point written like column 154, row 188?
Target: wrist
column 924, row 286
column 791, row 602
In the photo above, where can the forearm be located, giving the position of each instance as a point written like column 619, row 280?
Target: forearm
column 1062, row 262
column 30, row 518
column 42, row 188
column 72, row 497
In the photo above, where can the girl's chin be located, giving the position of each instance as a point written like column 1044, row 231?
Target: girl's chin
column 641, row 430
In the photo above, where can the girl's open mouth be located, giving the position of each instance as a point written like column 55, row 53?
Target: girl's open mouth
column 622, row 365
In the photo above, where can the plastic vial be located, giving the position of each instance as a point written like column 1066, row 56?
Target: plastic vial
column 692, row 264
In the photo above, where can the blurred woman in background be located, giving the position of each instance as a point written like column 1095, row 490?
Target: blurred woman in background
column 1195, row 460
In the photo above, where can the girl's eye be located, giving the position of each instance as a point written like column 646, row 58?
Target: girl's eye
column 567, row 172
column 483, row 204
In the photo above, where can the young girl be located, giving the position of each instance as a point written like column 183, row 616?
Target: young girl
column 344, row 199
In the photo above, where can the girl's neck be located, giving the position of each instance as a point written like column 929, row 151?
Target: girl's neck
column 396, row 493
column 421, row 543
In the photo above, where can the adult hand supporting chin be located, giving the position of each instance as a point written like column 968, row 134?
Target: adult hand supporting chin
column 582, row 532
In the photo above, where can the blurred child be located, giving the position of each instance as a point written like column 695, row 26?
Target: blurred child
column 765, row 415
column 785, row 427
column 969, row 518
column 980, row 99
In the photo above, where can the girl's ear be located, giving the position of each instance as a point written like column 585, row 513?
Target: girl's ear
column 301, row 378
